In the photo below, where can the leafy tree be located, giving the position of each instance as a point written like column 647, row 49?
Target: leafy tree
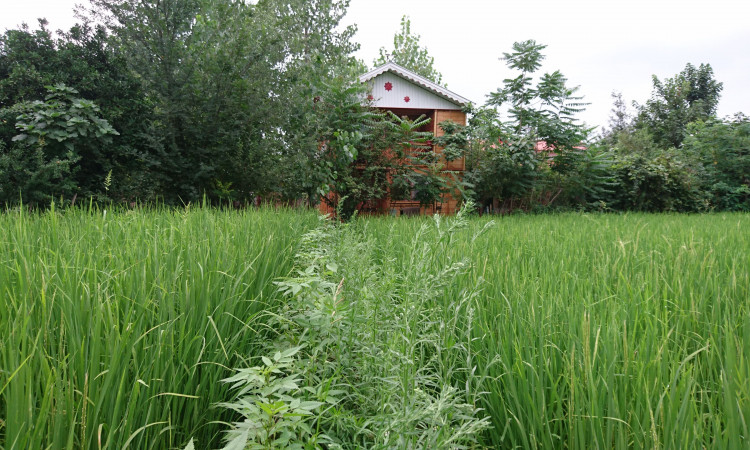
column 544, row 112
column 691, row 95
column 233, row 87
column 61, row 121
column 157, row 39
column 27, row 63
column 319, row 68
column 408, row 52
column 505, row 161
column 367, row 155
column 60, row 140
column 499, row 164
column 314, row 38
column 346, row 165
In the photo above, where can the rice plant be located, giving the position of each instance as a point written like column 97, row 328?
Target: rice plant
column 608, row 331
column 116, row 326
column 560, row 331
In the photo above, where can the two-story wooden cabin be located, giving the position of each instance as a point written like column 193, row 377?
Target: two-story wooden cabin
column 406, row 93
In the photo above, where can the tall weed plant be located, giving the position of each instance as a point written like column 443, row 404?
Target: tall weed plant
column 365, row 356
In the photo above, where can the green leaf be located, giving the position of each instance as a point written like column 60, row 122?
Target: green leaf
column 310, row 405
column 239, row 442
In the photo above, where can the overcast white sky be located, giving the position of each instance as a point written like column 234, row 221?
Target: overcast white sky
column 600, row 45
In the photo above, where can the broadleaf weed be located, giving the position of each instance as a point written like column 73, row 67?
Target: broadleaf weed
column 374, row 346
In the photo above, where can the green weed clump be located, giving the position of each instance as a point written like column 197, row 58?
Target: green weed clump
column 363, row 357
column 116, row 327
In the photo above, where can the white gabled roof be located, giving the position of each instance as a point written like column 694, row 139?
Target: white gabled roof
column 416, row 79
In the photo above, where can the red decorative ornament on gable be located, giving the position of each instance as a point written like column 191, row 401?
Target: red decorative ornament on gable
column 407, row 99
column 388, row 86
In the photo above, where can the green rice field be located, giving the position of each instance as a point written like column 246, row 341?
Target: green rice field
column 554, row 331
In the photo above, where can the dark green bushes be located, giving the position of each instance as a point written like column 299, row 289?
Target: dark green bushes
column 657, row 183
column 710, row 171
column 58, row 150
column 722, row 148
column 673, row 155
column 626, row 172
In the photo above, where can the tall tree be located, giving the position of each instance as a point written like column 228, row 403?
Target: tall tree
column 505, row 163
column 408, row 52
column 500, row 164
column 545, row 112
column 691, row 95
column 157, row 37
column 233, row 84
column 317, row 72
column 620, row 119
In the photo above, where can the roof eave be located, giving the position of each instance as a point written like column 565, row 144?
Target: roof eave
column 417, row 79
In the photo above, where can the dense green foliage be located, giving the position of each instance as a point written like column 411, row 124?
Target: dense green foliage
column 59, row 147
column 509, row 160
column 673, row 155
column 81, row 59
column 242, row 102
column 691, row 95
column 722, row 151
column 423, row 333
column 209, row 97
column 233, row 85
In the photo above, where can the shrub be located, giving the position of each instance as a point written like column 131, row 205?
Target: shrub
column 723, row 150
column 58, row 138
column 663, row 182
